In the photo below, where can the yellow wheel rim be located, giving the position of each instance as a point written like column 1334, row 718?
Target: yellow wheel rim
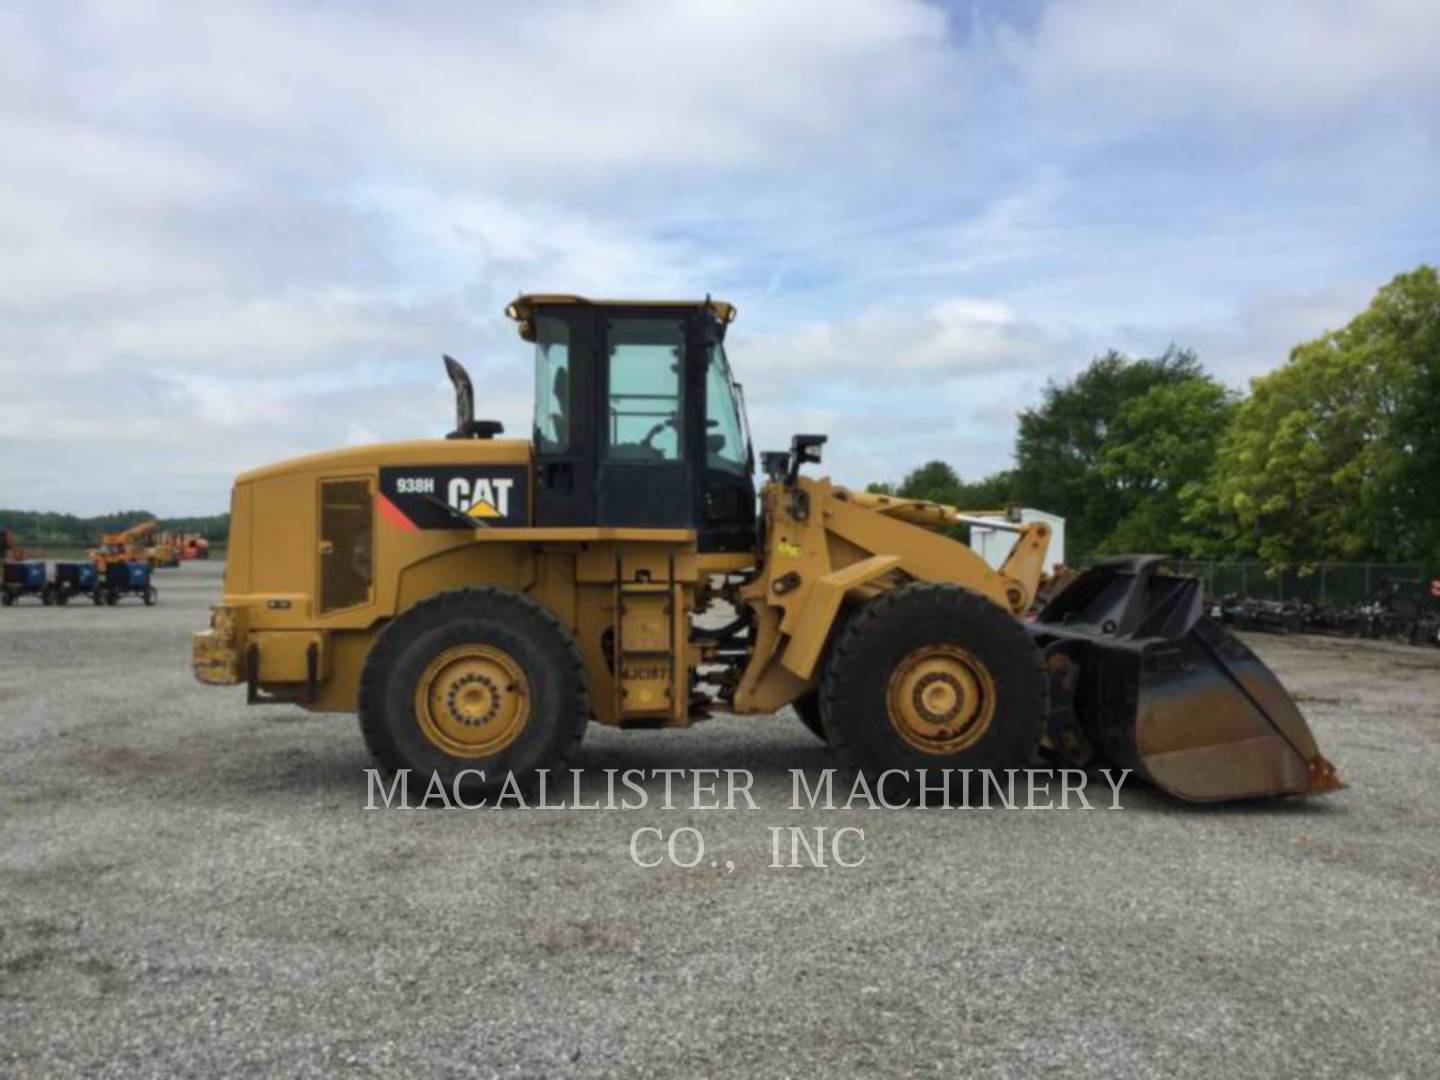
column 940, row 699
column 472, row 701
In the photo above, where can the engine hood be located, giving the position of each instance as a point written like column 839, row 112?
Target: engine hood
column 410, row 452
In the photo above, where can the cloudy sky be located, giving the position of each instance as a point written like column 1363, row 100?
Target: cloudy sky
column 231, row 234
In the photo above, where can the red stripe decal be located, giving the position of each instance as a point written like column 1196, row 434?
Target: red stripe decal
column 393, row 514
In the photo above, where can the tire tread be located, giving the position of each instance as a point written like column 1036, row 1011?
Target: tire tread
column 434, row 611
column 854, row 641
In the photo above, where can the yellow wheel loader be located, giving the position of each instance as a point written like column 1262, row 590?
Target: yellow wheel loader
column 479, row 601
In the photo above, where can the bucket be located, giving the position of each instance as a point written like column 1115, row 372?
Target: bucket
column 1141, row 678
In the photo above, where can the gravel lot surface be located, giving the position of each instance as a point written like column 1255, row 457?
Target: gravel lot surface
column 191, row 886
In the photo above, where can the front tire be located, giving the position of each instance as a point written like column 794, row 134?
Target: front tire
column 807, row 708
column 474, row 679
column 933, row 676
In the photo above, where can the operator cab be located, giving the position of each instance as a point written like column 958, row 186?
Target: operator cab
column 638, row 421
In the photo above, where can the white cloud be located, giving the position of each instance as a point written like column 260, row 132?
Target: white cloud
column 1228, row 60
column 950, row 336
column 897, row 385
column 1259, row 333
column 249, row 229
column 561, row 94
column 216, row 211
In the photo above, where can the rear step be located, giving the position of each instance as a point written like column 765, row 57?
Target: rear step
column 1142, row 678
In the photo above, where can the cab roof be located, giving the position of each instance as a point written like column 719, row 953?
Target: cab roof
column 522, row 308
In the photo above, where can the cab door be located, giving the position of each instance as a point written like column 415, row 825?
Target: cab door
column 567, row 428
column 646, row 472
column 727, row 484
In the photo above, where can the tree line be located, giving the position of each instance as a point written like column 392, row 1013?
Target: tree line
column 1333, row 456
column 41, row 529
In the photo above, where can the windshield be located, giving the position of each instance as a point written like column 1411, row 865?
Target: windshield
column 725, row 444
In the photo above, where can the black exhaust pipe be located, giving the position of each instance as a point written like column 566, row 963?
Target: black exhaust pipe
column 466, row 426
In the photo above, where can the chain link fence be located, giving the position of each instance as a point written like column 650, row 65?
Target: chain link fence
column 1335, row 584
column 1332, row 584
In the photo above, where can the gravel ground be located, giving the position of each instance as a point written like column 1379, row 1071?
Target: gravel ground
column 190, row 886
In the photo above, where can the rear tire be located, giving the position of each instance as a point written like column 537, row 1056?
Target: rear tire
column 474, row 679
column 933, row 676
column 151, row 596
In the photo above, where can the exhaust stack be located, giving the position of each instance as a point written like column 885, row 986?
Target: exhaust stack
column 466, row 426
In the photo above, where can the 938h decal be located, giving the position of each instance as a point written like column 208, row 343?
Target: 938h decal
column 449, row 496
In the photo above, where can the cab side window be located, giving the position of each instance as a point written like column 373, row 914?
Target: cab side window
column 552, row 385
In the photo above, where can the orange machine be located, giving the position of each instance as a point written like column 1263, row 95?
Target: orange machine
column 164, row 551
column 135, row 544
column 188, row 546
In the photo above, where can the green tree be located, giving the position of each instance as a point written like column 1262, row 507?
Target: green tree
column 1333, row 455
column 1404, row 323
column 40, row 528
column 1160, row 450
column 939, row 482
column 1091, row 451
column 994, row 492
column 934, row 480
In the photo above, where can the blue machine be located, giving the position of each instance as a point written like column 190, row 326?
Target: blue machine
column 75, row 579
column 129, row 579
column 25, row 579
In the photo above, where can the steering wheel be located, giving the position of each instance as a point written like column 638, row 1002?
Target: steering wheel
column 649, row 441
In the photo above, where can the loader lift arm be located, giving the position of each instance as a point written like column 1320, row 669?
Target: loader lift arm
column 825, row 545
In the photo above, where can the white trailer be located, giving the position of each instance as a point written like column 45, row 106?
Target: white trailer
column 994, row 544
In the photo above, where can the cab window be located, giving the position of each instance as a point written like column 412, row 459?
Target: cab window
column 552, row 385
column 645, row 400
column 724, row 437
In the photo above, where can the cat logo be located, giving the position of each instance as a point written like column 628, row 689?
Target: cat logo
column 451, row 496
column 481, row 498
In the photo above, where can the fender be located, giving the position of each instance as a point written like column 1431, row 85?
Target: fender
column 818, row 612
